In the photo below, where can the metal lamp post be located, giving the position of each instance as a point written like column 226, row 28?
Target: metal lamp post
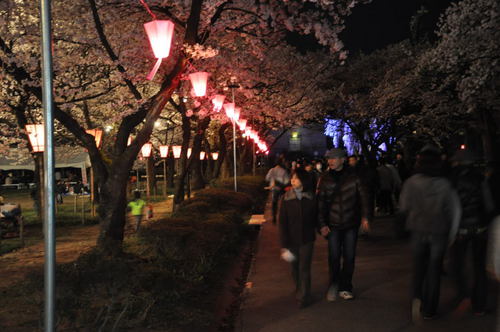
column 146, row 153
column 164, row 155
column 233, row 119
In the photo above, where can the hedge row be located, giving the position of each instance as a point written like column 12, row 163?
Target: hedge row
column 169, row 276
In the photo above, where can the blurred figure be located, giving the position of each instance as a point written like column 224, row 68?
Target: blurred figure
column 278, row 179
column 352, row 161
column 297, row 226
column 401, row 167
column 308, row 167
column 60, row 191
column 431, row 210
column 472, row 233
column 136, row 208
column 389, row 184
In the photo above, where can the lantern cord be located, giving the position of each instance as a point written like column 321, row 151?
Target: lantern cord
column 153, row 71
column 149, row 10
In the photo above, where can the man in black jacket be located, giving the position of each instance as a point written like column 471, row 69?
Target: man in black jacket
column 343, row 205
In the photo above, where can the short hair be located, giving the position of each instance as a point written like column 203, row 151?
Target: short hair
column 305, row 178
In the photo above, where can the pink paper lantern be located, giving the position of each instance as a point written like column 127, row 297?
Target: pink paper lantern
column 199, row 82
column 236, row 115
column 242, row 124
column 229, row 108
column 163, row 151
column 215, row 155
column 97, row 133
column 36, row 136
column 218, row 100
column 176, row 149
column 202, row 155
column 160, row 34
column 146, row 150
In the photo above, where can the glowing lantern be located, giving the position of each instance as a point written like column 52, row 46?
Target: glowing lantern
column 229, row 108
column 36, row 135
column 129, row 140
column 189, row 152
column 462, row 147
column 97, row 133
column 146, row 150
column 218, row 100
column 199, row 82
column 176, row 149
column 242, row 124
column 163, row 151
column 236, row 115
column 202, row 155
column 160, row 34
column 215, row 155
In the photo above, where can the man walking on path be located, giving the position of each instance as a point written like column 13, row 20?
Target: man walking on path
column 343, row 204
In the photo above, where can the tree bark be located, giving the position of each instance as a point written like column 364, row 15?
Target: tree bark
column 222, row 149
column 195, row 164
column 183, row 165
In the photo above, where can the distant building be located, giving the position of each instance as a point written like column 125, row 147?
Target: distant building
column 308, row 141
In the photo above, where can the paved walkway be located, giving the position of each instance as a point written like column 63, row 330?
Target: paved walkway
column 381, row 286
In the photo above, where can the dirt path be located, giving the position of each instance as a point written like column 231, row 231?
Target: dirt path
column 71, row 242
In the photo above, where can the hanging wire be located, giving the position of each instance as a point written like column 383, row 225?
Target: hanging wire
column 147, row 8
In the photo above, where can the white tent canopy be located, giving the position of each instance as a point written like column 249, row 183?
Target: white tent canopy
column 66, row 156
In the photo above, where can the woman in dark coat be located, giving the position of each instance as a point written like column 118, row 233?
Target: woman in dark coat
column 297, row 225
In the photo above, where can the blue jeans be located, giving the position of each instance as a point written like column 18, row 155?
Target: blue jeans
column 342, row 247
column 428, row 254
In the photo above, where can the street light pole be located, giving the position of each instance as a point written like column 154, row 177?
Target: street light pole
column 48, row 165
column 232, row 86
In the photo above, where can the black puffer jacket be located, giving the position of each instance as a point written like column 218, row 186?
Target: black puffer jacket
column 343, row 199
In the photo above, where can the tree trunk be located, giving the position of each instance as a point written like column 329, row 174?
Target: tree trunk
column 112, row 212
column 170, row 171
column 222, row 149
column 183, row 165
column 487, row 125
column 195, row 164
column 208, row 173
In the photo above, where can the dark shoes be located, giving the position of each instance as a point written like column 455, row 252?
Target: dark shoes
column 303, row 303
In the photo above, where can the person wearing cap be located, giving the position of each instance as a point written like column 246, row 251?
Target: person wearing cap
column 278, row 179
column 343, row 205
column 430, row 209
column 470, row 185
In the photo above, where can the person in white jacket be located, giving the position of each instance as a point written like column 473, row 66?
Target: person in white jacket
column 278, row 179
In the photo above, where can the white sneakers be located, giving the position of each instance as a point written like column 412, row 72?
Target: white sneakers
column 331, row 294
column 346, row 295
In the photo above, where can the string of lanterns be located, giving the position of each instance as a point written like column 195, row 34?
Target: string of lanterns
column 160, row 34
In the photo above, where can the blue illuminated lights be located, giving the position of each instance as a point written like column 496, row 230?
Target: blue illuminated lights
column 343, row 137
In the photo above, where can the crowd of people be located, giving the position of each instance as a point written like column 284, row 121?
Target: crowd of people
column 444, row 206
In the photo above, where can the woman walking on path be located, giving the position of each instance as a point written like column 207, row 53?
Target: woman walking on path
column 297, row 226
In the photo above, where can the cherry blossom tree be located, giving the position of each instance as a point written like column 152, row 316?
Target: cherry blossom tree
column 102, row 57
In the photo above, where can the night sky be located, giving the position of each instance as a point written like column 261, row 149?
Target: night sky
column 384, row 22
column 378, row 24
